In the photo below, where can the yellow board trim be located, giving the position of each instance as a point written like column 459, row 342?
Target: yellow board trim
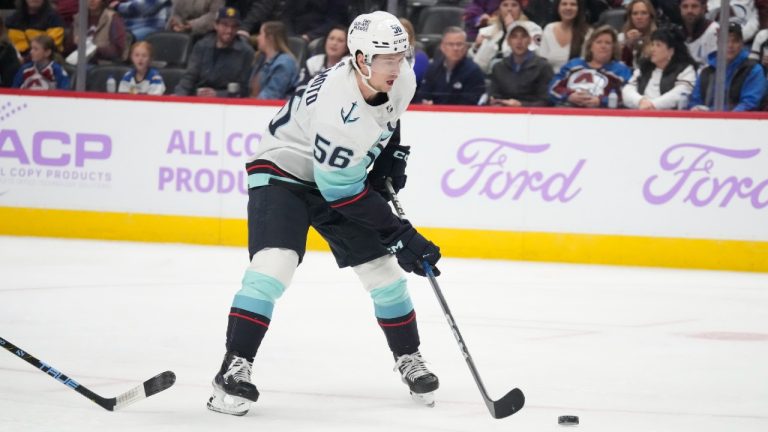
column 464, row 243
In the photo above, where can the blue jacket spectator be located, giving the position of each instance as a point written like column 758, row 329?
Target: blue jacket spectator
column 452, row 79
column 143, row 17
column 276, row 72
column 744, row 78
column 276, row 77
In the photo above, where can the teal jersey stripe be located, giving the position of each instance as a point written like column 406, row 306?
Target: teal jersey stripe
column 342, row 183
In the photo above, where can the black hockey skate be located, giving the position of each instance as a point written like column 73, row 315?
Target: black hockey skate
column 233, row 391
column 419, row 379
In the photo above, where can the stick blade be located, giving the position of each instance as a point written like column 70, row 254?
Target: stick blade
column 154, row 385
column 159, row 382
column 511, row 403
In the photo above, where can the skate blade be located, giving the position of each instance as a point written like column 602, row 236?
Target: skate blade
column 227, row 404
column 426, row 399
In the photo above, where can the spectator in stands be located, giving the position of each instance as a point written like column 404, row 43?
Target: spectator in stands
column 588, row 81
column 312, row 19
column 562, row 40
column 420, row 58
column 9, row 58
column 744, row 78
column 491, row 41
column 760, row 49
column 143, row 17
column 456, row 80
column 635, row 37
column 700, row 33
column 477, row 15
column 275, row 72
column 665, row 80
column 522, row 78
column 334, row 49
column 195, row 17
column 743, row 12
column 220, row 63
column 33, row 18
column 106, row 30
column 142, row 79
column 41, row 73
column 255, row 12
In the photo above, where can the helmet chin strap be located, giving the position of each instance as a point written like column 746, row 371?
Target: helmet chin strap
column 364, row 77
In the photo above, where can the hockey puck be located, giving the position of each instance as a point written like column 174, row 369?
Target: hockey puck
column 568, row 420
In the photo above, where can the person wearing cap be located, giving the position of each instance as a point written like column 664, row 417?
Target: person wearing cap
column 700, row 32
column 220, row 63
column 491, row 41
column 744, row 78
column 522, row 77
column 454, row 79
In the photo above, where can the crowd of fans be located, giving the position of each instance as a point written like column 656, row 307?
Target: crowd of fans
column 504, row 53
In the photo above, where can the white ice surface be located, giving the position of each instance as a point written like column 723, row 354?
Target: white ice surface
column 626, row 349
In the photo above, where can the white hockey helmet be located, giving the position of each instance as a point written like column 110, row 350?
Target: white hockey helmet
column 376, row 33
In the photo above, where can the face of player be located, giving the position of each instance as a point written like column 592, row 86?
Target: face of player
column 519, row 40
column 385, row 69
column 140, row 58
column 37, row 53
column 602, row 49
column 641, row 17
column 691, row 10
column 568, row 10
column 336, row 43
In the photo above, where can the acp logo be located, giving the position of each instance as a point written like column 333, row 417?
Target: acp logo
column 50, row 148
column 55, row 148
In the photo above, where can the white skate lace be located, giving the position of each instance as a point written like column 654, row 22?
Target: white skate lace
column 412, row 366
column 240, row 368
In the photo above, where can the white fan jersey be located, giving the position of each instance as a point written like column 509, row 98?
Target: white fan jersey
column 329, row 135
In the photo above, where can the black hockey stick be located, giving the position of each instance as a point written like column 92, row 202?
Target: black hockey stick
column 513, row 401
column 151, row 386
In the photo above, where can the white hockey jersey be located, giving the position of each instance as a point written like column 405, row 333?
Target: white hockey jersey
column 328, row 136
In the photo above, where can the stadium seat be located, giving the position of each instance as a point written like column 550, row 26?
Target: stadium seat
column 298, row 47
column 433, row 21
column 613, row 17
column 316, row 46
column 171, row 77
column 96, row 80
column 170, row 49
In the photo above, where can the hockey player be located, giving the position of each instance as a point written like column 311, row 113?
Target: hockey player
column 311, row 169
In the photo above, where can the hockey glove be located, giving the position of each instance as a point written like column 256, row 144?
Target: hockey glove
column 411, row 248
column 390, row 164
